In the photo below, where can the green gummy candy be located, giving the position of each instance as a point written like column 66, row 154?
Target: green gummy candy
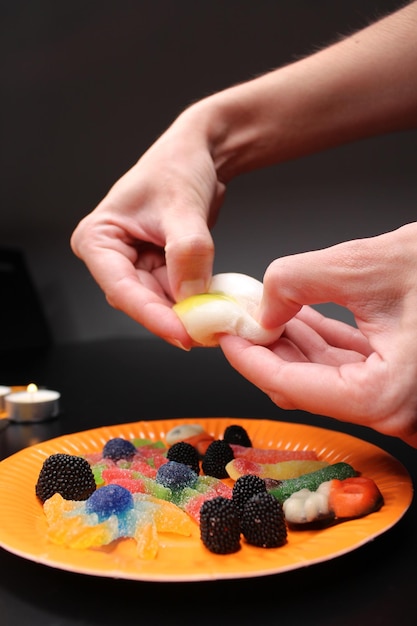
column 156, row 489
column 98, row 473
column 312, row 481
column 204, row 483
column 137, row 442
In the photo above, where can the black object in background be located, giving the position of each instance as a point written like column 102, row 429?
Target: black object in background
column 22, row 320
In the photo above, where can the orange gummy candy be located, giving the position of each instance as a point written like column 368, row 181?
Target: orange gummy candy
column 71, row 530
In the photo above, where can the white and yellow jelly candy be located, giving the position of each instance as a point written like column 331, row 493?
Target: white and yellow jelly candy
column 184, row 431
column 308, row 506
column 228, row 307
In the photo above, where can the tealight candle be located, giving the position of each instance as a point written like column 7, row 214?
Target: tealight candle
column 4, row 391
column 32, row 405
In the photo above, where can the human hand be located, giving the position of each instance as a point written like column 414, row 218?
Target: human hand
column 365, row 375
column 148, row 244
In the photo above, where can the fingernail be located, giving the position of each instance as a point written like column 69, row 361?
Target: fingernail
column 191, row 288
column 176, row 343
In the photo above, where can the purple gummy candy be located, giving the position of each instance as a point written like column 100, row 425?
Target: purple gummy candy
column 176, row 475
column 109, row 500
column 118, row 448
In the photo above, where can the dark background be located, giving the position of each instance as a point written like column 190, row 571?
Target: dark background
column 88, row 86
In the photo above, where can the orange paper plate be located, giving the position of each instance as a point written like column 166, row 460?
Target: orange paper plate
column 23, row 526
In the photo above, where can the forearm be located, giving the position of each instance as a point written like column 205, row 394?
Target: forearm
column 361, row 86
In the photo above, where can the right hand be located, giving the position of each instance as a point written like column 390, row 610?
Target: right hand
column 365, row 375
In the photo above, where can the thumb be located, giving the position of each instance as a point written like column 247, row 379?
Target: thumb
column 343, row 274
column 189, row 255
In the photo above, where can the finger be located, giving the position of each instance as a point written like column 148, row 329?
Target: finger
column 286, row 350
column 136, row 295
column 360, row 393
column 136, row 292
column 347, row 393
column 346, row 274
column 315, row 348
column 189, row 253
column 335, row 332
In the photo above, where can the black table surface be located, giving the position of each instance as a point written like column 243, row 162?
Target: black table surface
column 123, row 380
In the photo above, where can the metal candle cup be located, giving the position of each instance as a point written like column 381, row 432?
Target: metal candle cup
column 35, row 405
column 4, row 391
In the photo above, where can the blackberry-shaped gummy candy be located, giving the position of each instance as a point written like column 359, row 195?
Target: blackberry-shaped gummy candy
column 185, row 453
column 263, row 522
column 244, row 488
column 109, row 500
column 217, row 456
column 238, row 435
column 220, row 526
column 176, row 475
column 118, row 448
column 69, row 475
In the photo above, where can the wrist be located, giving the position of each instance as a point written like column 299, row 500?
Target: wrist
column 238, row 128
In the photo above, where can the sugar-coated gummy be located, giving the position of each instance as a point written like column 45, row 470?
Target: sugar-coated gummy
column 313, row 480
column 176, row 475
column 109, row 500
column 118, row 448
